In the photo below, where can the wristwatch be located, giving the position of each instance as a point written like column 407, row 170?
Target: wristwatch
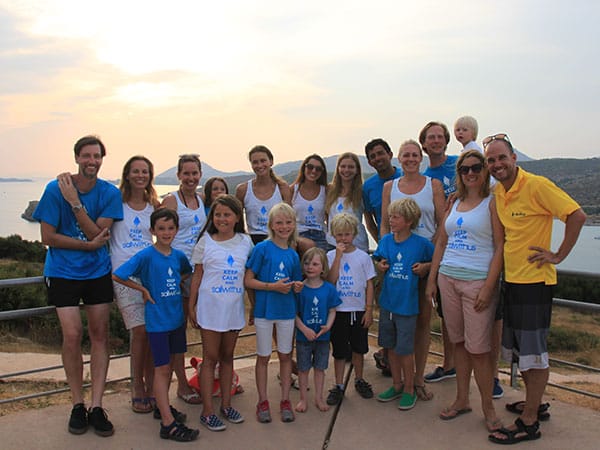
column 78, row 207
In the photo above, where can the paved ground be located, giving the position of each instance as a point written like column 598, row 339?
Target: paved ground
column 359, row 424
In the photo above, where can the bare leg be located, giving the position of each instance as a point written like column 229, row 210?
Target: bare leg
column 97, row 316
column 396, row 369
column 484, row 376
column 261, row 372
column 227, row 349
column 319, row 376
column 463, row 377
column 302, row 405
column 407, row 362
column 339, row 366
column 422, row 336
column 285, row 369
column 72, row 332
column 496, row 345
column 162, row 380
column 358, row 361
column 448, row 348
column 138, row 361
column 211, row 341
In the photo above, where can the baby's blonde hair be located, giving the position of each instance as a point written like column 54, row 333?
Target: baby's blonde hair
column 288, row 212
column 344, row 222
column 407, row 208
column 468, row 122
column 316, row 251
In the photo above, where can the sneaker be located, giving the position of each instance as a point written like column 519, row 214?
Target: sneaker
column 335, row 395
column 440, row 374
column 407, row 401
column 363, row 388
column 389, row 394
column 498, row 392
column 212, row 422
column 287, row 414
column 232, row 415
column 177, row 415
column 263, row 413
column 78, row 422
column 99, row 420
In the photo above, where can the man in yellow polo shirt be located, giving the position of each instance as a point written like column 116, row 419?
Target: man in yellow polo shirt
column 527, row 205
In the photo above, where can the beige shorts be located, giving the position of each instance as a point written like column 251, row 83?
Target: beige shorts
column 131, row 305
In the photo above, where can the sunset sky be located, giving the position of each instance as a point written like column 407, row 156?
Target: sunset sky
column 216, row 78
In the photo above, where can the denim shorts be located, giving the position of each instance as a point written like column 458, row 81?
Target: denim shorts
column 397, row 332
column 312, row 354
column 319, row 238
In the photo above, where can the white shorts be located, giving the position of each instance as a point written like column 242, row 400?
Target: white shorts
column 264, row 336
column 131, row 305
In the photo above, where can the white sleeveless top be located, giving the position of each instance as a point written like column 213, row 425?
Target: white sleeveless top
column 360, row 241
column 424, row 199
column 310, row 214
column 220, row 304
column 130, row 235
column 191, row 222
column 470, row 240
column 257, row 211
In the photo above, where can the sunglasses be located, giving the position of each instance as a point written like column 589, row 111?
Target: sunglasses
column 475, row 168
column 317, row 169
column 496, row 137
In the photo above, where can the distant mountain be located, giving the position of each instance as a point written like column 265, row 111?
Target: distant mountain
column 522, row 156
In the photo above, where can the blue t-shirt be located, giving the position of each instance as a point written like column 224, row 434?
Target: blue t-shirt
column 400, row 292
column 103, row 200
column 270, row 263
column 313, row 308
column 161, row 275
column 446, row 173
column 372, row 194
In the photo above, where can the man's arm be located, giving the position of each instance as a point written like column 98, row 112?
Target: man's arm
column 370, row 225
column 52, row 238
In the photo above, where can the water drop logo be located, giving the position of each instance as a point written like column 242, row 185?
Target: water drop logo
column 281, row 266
column 263, row 211
column 315, row 300
column 137, row 221
column 310, row 208
column 230, row 261
column 196, row 219
column 399, row 256
column 170, row 272
column 340, row 207
column 459, row 222
column 447, row 181
column 346, row 267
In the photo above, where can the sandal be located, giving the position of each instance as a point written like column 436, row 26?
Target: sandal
column 178, row 432
column 177, row 415
column 141, row 405
column 517, row 408
column 193, row 398
column 532, row 432
column 423, row 394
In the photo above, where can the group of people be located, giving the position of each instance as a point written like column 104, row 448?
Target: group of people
column 446, row 237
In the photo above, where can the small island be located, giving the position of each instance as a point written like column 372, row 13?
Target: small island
column 28, row 213
column 15, row 180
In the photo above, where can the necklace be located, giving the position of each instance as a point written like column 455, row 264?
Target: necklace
column 183, row 198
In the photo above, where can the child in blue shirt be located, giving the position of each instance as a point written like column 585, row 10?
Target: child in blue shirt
column 316, row 312
column 161, row 270
column 397, row 255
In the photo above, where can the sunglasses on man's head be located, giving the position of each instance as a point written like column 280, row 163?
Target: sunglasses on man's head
column 476, row 168
column 317, row 169
column 496, row 137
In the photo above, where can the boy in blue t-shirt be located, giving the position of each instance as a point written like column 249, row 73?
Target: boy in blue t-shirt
column 399, row 255
column 316, row 312
column 161, row 270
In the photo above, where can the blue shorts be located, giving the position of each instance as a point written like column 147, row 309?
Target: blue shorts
column 312, row 354
column 163, row 344
column 397, row 332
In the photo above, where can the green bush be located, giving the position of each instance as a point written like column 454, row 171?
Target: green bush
column 562, row 339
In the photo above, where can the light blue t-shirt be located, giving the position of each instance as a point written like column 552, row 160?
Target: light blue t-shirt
column 161, row 275
column 400, row 292
column 446, row 173
column 103, row 200
column 270, row 263
column 313, row 308
column 372, row 194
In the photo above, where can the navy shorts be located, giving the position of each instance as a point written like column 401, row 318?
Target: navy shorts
column 64, row 292
column 348, row 335
column 163, row 344
column 397, row 332
column 312, row 354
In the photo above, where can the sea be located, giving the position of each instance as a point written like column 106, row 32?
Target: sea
column 16, row 195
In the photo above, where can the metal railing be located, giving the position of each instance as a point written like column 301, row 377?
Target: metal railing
column 31, row 312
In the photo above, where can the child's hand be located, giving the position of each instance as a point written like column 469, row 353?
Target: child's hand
column 340, row 248
column 146, row 296
column 324, row 329
column 282, row 285
column 251, row 316
column 192, row 318
column 367, row 319
column 382, row 265
column 420, row 269
column 298, row 285
column 310, row 334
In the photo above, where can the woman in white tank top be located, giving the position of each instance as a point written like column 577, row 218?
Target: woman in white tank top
column 466, row 266
column 308, row 200
column 260, row 194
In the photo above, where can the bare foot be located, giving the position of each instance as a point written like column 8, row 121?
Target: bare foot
column 301, row 406
column 322, row 406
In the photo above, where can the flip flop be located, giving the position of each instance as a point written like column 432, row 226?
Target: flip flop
column 141, row 405
column 451, row 413
column 192, row 398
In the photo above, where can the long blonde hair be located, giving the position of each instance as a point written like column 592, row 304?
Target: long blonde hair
column 461, row 190
column 354, row 200
column 288, row 212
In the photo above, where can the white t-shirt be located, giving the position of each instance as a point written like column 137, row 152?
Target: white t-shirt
column 356, row 268
column 130, row 235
